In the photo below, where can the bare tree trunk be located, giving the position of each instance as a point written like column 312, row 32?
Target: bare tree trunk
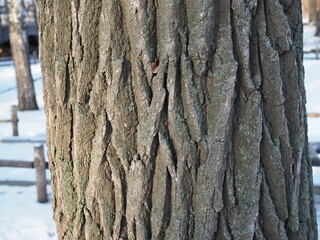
column 305, row 9
column 318, row 19
column 176, row 119
column 313, row 12
column 35, row 14
column 20, row 54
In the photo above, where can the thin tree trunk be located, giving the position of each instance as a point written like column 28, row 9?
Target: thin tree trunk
column 318, row 19
column 34, row 9
column 313, row 12
column 305, row 9
column 20, row 54
column 176, row 119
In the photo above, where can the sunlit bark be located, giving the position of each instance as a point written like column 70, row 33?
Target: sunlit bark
column 176, row 119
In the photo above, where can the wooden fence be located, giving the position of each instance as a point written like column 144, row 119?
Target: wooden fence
column 316, row 51
column 313, row 114
column 314, row 150
column 14, row 120
column 40, row 165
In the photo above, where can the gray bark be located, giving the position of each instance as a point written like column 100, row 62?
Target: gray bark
column 176, row 119
column 20, row 54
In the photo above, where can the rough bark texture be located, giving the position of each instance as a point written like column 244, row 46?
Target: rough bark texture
column 20, row 54
column 176, row 119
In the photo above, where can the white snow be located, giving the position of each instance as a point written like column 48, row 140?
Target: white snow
column 312, row 84
column 21, row 216
column 310, row 41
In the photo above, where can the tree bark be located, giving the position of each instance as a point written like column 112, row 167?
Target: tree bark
column 176, row 119
column 20, row 54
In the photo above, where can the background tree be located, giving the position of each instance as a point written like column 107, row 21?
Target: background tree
column 311, row 13
column 20, row 54
column 176, row 119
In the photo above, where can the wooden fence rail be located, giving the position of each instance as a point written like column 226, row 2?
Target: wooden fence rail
column 313, row 114
column 22, row 140
column 14, row 120
column 314, row 150
column 315, row 51
column 20, row 183
column 40, row 165
column 19, row 164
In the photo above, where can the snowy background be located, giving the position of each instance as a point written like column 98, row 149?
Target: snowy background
column 21, row 216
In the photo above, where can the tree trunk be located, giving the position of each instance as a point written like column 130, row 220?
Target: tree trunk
column 20, row 54
column 34, row 9
column 176, row 119
column 305, row 9
column 313, row 12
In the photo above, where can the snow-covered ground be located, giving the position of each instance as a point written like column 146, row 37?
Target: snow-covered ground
column 312, row 83
column 21, row 216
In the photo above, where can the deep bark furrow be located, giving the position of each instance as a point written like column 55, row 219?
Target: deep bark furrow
column 274, row 174
column 306, row 188
column 185, row 156
column 89, row 44
column 99, row 201
column 247, row 176
column 169, row 47
column 220, row 85
column 149, row 115
column 295, row 104
column 194, row 114
column 201, row 23
column 247, row 135
column 119, row 188
column 277, row 122
column 241, row 25
column 271, row 158
column 258, row 234
column 161, row 195
column 280, row 33
column 176, row 119
column 305, row 174
column 272, row 226
column 76, row 44
column 117, row 76
column 62, row 54
column 83, row 116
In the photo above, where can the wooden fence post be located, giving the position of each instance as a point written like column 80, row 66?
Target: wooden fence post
column 41, row 180
column 14, row 119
